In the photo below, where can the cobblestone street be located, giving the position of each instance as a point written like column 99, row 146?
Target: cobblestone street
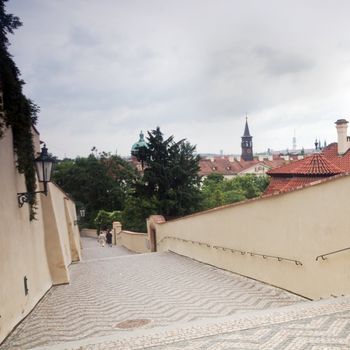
column 120, row 300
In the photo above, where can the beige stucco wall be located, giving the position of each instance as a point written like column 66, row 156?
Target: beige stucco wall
column 88, row 232
column 257, row 169
column 62, row 236
column 72, row 228
column 27, row 247
column 298, row 225
column 22, row 246
column 134, row 241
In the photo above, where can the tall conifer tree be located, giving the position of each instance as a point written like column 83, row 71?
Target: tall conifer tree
column 171, row 175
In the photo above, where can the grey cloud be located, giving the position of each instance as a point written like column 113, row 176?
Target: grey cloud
column 82, row 37
column 108, row 71
column 244, row 62
column 278, row 63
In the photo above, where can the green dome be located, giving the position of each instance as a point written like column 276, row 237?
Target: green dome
column 140, row 143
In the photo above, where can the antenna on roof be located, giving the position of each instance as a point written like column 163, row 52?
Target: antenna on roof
column 294, row 142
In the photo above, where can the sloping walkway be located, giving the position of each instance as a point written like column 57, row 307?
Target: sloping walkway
column 121, row 300
column 113, row 289
column 316, row 325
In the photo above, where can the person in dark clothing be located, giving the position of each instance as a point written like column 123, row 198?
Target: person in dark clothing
column 109, row 238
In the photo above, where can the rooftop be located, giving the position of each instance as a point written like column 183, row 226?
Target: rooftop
column 227, row 165
column 314, row 165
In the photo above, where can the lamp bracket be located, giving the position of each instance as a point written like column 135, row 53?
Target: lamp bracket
column 26, row 197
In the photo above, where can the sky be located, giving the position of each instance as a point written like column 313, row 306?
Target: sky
column 103, row 70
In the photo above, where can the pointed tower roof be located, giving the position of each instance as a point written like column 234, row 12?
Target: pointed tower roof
column 246, row 129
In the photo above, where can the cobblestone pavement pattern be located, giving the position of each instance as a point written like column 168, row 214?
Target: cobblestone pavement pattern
column 189, row 305
column 92, row 250
column 112, row 285
column 316, row 325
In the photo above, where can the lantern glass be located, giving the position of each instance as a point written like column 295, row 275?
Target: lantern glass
column 82, row 212
column 43, row 170
column 44, row 166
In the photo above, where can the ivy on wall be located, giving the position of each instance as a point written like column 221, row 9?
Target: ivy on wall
column 20, row 113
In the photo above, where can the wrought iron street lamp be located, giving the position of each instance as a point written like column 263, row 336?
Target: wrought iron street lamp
column 43, row 165
column 80, row 216
column 82, row 212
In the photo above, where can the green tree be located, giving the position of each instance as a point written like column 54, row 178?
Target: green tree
column 136, row 211
column 170, row 179
column 20, row 112
column 217, row 191
column 104, row 219
column 100, row 181
column 212, row 193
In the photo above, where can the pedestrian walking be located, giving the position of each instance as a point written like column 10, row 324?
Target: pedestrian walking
column 102, row 238
column 109, row 238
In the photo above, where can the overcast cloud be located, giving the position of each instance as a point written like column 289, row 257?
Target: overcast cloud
column 102, row 70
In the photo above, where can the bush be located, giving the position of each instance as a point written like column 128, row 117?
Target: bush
column 136, row 212
column 104, row 219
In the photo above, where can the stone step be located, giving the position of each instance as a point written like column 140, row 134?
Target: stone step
column 162, row 337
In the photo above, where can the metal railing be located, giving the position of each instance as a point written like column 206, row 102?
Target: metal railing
column 231, row 250
column 323, row 256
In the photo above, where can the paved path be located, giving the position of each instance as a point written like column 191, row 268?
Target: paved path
column 316, row 325
column 91, row 250
column 120, row 300
column 160, row 289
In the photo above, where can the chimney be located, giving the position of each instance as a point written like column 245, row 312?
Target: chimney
column 342, row 128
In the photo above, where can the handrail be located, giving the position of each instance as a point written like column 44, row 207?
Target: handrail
column 242, row 252
column 264, row 256
column 323, row 256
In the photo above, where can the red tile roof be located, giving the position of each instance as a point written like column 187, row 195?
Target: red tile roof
column 285, row 184
column 331, row 153
column 316, row 164
column 310, row 169
column 231, row 166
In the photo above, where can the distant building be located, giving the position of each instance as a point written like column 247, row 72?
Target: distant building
column 134, row 150
column 230, row 166
column 247, row 163
column 140, row 143
column 247, row 143
column 332, row 160
column 310, row 169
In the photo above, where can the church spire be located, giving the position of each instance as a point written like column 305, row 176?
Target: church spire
column 247, row 143
column 246, row 129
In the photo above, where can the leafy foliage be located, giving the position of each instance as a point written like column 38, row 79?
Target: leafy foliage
column 20, row 112
column 136, row 211
column 104, row 219
column 217, row 191
column 100, row 181
column 170, row 181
